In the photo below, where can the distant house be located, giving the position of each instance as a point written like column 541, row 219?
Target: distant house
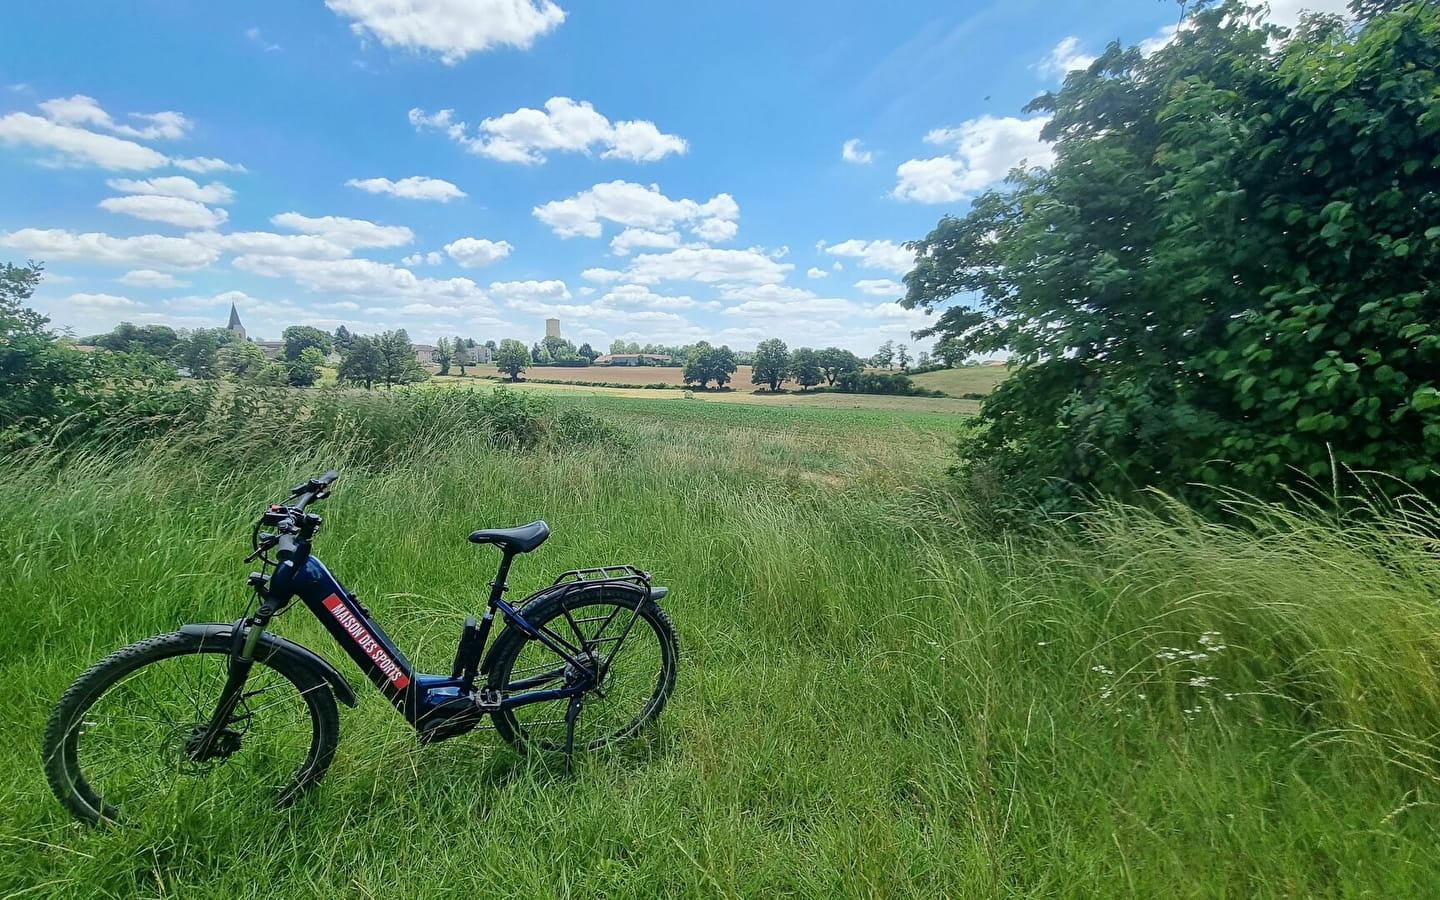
column 423, row 351
column 271, row 349
column 633, row 359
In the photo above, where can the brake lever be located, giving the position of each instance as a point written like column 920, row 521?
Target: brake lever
column 266, row 542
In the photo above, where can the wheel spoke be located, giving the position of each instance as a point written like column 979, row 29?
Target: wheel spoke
column 632, row 687
column 127, row 744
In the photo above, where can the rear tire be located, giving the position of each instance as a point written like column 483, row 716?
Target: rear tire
column 115, row 744
column 638, row 678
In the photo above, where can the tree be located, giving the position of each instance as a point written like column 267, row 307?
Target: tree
column 617, row 346
column 197, row 351
column 560, row 350
column 463, row 354
column 884, row 358
column 243, row 361
column 805, row 367
column 512, row 358
column 444, row 352
column 771, row 365
column 36, row 369
column 709, row 364
column 156, row 340
column 1230, row 273
column 362, row 364
column 305, row 371
column 298, row 337
column 588, row 352
column 924, row 359
column 835, row 362
column 951, row 351
column 343, row 339
column 398, row 363
column 902, row 356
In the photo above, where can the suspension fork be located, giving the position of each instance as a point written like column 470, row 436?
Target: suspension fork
column 244, row 641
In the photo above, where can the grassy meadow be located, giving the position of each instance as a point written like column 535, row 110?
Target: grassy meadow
column 879, row 694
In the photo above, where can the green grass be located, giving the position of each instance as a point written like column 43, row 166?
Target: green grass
column 877, row 698
column 964, row 380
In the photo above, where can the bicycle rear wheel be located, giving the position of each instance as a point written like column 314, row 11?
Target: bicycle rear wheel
column 116, row 744
column 627, row 635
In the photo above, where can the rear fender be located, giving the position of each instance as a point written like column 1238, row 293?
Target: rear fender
column 274, row 645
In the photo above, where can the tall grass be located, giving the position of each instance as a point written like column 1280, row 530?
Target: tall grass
column 876, row 697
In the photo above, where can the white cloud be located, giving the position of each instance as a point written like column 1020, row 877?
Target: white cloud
column 641, row 297
column 474, row 252
column 716, row 230
column 100, row 301
column 986, row 149
column 151, row 279
column 1160, row 40
column 880, row 287
column 170, row 210
column 637, row 206
column 707, row 264
column 416, row 187
column 82, row 110
column 254, row 34
column 603, row 276
column 802, row 318
column 852, row 153
column 452, row 28
column 1288, row 12
column 347, row 233
column 428, row 309
column 78, row 146
column 267, row 243
column 204, row 164
column 814, row 272
column 364, row 278
column 886, row 255
column 433, row 258
column 95, row 247
column 1066, row 57
column 564, row 125
column 631, row 238
column 534, row 291
column 174, row 186
column 59, row 131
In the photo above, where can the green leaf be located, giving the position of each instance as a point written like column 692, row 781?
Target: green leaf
column 1427, row 398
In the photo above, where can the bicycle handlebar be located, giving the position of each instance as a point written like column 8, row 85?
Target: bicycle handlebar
column 314, row 489
column 294, row 526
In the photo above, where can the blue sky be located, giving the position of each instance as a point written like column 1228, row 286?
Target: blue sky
column 656, row 171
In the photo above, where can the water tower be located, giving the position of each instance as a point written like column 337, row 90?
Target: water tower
column 552, row 327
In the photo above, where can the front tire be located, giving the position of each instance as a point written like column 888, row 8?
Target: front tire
column 637, row 680
column 116, row 743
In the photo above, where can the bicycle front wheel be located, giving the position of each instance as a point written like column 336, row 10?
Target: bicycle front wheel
column 120, row 741
column 618, row 632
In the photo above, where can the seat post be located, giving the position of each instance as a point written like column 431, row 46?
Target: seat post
column 498, row 586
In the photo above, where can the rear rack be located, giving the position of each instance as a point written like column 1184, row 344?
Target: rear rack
column 627, row 574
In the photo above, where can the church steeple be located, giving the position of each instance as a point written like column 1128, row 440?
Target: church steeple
column 235, row 327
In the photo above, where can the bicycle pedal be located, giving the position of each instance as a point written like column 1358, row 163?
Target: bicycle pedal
column 489, row 700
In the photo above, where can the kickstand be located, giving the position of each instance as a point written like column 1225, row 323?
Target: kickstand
column 572, row 712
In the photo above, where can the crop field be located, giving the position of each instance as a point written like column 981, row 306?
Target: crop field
column 955, row 382
column 965, row 380
column 880, row 693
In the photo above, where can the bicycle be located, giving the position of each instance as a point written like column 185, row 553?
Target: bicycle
column 119, row 735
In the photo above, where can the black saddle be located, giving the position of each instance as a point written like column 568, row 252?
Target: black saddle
column 521, row 539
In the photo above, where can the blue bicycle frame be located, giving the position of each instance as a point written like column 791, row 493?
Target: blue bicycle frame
column 427, row 702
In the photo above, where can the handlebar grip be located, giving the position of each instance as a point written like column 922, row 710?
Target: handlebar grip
column 287, row 547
